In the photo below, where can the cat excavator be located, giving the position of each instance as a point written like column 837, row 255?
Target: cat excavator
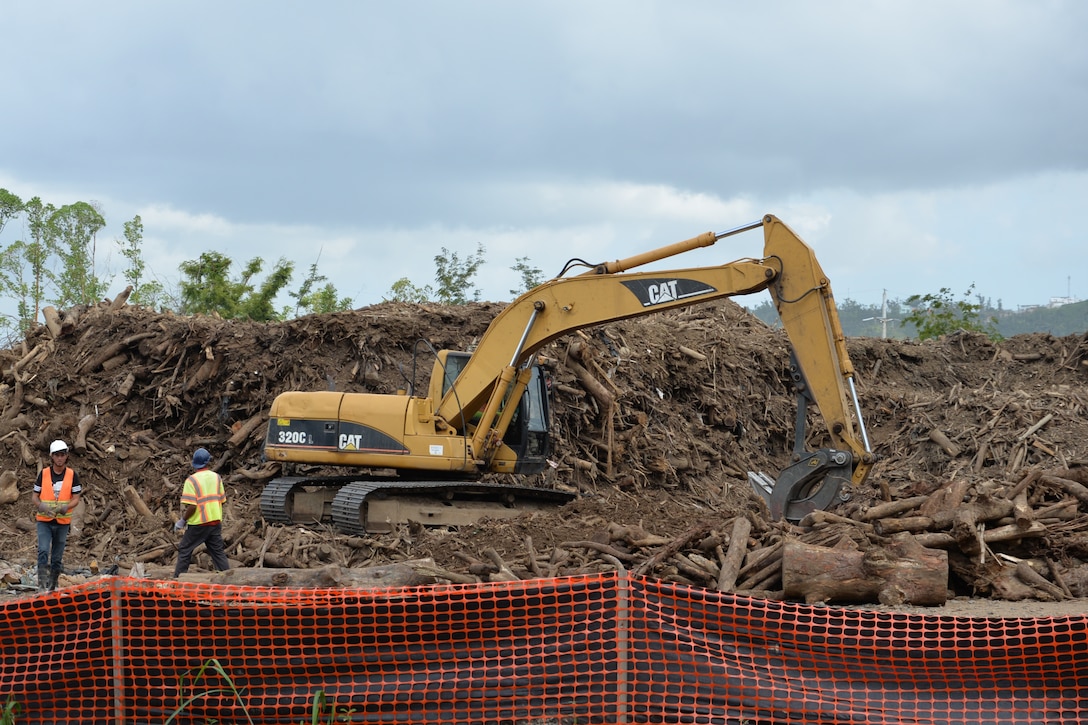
column 421, row 455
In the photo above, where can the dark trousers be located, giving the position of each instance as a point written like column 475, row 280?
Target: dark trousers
column 211, row 536
column 52, row 538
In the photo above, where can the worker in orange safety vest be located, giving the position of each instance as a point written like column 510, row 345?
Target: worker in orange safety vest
column 56, row 493
column 202, row 500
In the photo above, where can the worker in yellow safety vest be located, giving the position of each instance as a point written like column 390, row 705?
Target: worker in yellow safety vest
column 56, row 493
column 202, row 500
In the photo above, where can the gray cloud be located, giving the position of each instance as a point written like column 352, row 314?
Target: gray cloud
column 415, row 119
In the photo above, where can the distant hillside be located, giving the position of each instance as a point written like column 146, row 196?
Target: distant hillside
column 1059, row 321
column 860, row 320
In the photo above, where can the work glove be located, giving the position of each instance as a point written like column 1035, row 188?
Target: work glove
column 44, row 507
column 61, row 509
column 179, row 525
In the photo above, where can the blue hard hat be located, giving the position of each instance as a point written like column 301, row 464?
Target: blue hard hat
column 201, row 458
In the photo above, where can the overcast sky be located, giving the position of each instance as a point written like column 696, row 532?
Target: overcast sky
column 914, row 144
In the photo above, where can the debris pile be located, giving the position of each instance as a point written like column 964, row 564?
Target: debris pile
column 657, row 422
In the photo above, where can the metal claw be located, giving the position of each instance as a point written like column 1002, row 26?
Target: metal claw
column 812, row 483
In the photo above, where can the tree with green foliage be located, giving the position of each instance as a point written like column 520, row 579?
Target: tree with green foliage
column 530, row 276
column 16, row 287
column 67, row 235
column 12, row 266
column 76, row 227
column 258, row 303
column 11, row 206
column 313, row 299
column 938, row 314
column 147, row 293
column 207, row 288
column 404, row 291
column 36, row 253
column 453, row 276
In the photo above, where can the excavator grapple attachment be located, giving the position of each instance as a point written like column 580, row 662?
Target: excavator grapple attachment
column 812, row 483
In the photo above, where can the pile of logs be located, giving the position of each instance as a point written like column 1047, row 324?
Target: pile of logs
column 982, row 539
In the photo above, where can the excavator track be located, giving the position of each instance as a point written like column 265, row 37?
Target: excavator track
column 362, row 506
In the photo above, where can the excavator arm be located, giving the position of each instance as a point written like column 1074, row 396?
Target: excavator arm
column 498, row 370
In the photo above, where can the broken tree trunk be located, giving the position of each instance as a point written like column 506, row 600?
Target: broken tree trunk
column 120, row 300
column 902, row 572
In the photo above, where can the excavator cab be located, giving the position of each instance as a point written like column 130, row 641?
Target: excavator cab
column 528, row 437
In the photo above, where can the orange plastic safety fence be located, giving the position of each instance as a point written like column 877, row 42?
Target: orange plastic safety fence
column 598, row 649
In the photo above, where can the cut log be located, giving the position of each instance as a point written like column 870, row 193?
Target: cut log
column 207, row 370
column 1032, row 578
column 110, row 351
column 886, row 527
column 901, row 572
column 696, row 532
column 93, row 363
column 1035, row 428
column 738, row 547
column 946, row 498
column 1071, row 487
column 138, row 503
column 592, row 386
column 39, row 351
column 693, row 354
column 946, row 445
column 126, row 386
column 503, row 574
column 9, row 487
column 85, row 424
column 634, row 535
column 246, row 429
column 52, row 321
column 893, row 508
column 941, row 540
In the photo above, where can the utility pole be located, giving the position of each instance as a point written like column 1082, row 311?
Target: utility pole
column 884, row 319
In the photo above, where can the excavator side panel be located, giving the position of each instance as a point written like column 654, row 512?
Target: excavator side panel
column 362, row 430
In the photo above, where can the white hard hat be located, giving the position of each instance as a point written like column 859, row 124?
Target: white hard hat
column 57, row 447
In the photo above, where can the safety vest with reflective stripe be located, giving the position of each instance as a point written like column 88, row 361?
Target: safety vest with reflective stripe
column 204, row 489
column 63, row 497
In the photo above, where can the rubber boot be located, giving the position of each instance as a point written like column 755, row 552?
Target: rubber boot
column 54, row 576
column 43, row 580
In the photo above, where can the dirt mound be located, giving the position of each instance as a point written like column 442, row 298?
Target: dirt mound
column 657, row 420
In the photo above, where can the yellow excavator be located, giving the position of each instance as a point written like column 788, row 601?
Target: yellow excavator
column 420, row 456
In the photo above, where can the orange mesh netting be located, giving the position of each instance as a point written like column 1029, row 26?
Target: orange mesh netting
column 609, row 648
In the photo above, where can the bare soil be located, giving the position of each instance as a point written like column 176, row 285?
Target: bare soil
column 701, row 397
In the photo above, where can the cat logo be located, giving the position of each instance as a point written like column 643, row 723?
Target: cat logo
column 664, row 292
column 349, row 442
column 660, row 291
